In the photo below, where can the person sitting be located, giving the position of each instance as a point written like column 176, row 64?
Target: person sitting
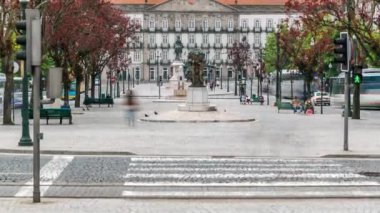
column 309, row 108
column 296, row 103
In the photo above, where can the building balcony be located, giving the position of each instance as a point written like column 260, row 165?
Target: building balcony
column 218, row 46
column 257, row 29
column 191, row 45
column 165, row 29
column 230, row 29
column 218, row 29
column 151, row 29
column 218, row 61
column 205, row 45
column 244, row 29
column 165, row 45
column 151, row 61
column 205, row 29
column 165, row 61
column 191, row 29
column 152, row 46
column 177, row 29
column 230, row 45
column 229, row 61
column 270, row 30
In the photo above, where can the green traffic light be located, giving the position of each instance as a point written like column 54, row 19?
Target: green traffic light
column 357, row 79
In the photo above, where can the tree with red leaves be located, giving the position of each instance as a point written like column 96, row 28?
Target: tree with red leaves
column 360, row 17
column 9, row 13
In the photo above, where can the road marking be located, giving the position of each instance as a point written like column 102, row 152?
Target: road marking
column 219, row 160
column 48, row 174
column 199, row 164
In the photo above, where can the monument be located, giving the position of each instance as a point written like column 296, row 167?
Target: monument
column 177, row 81
column 197, row 95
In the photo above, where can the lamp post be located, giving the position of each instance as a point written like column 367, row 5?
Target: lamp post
column 158, row 75
column 25, row 138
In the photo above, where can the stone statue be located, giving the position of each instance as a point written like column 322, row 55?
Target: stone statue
column 196, row 59
column 178, row 46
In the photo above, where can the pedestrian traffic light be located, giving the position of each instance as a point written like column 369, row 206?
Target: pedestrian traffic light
column 21, row 39
column 342, row 51
column 358, row 77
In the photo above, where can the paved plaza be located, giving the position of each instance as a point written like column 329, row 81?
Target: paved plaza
column 103, row 130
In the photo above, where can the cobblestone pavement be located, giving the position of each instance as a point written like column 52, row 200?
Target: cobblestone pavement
column 185, row 177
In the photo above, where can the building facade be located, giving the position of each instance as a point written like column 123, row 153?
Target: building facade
column 209, row 25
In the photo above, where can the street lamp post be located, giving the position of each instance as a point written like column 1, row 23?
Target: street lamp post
column 25, row 138
column 158, row 75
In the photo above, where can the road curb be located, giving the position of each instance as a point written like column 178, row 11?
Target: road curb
column 198, row 121
column 351, row 156
column 65, row 152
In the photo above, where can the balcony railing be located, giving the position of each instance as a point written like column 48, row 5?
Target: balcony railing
column 165, row 61
column 152, row 29
column 177, row 29
column 191, row 29
column 256, row 45
column 269, row 29
column 244, row 29
column 205, row 45
column 218, row 46
column 165, row 29
column 218, row 61
column 152, row 46
column 218, row 29
column 151, row 61
column 257, row 29
column 165, row 45
column 205, row 29
column 230, row 45
column 191, row 45
column 230, row 29
column 229, row 61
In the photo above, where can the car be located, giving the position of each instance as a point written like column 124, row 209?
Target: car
column 316, row 98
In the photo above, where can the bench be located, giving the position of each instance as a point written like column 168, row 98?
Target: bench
column 54, row 113
column 258, row 99
column 100, row 101
column 284, row 106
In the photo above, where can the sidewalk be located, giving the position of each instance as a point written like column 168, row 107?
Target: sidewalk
column 104, row 131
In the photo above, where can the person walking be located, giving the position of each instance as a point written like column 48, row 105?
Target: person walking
column 132, row 107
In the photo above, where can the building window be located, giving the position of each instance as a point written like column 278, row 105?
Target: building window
column 217, row 38
column 178, row 23
column 151, row 73
column 218, row 71
column 205, row 23
column 218, row 23
column 269, row 23
column 137, row 56
column 137, row 73
column 151, row 22
column 165, row 73
column 217, row 54
column 244, row 23
column 257, row 24
column 207, row 56
column 192, row 23
column 229, row 72
column 165, row 38
column 165, row 23
column 230, row 39
column 205, row 39
column 191, row 38
column 164, row 54
column 230, row 23
column 152, row 38
column 152, row 55
column 257, row 40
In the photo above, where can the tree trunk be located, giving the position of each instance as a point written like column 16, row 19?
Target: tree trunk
column 8, row 90
column 86, row 76
column 93, row 85
column 66, row 86
column 77, row 91
column 236, row 82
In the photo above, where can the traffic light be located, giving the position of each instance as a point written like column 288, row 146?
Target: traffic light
column 358, row 78
column 21, row 40
column 342, row 51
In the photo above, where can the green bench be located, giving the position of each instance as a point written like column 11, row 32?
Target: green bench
column 284, row 106
column 54, row 113
column 100, row 101
column 257, row 99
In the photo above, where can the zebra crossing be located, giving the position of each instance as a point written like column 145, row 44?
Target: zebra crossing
column 171, row 171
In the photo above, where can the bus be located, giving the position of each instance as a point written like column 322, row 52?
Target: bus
column 369, row 89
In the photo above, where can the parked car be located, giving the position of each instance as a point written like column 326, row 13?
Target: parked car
column 316, row 98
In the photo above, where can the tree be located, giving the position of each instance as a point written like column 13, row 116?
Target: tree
column 9, row 13
column 361, row 19
column 241, row 56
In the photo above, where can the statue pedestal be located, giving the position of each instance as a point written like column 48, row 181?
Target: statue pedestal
column 177, row 81
column 197, row 101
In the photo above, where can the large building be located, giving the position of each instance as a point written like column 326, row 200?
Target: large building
column 210, row 25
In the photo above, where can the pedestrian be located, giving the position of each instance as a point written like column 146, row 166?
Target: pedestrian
column 132, row 107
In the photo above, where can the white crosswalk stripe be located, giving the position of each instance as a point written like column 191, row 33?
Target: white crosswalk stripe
column 48, row 174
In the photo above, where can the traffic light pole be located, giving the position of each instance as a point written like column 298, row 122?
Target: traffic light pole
column 346, row 109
